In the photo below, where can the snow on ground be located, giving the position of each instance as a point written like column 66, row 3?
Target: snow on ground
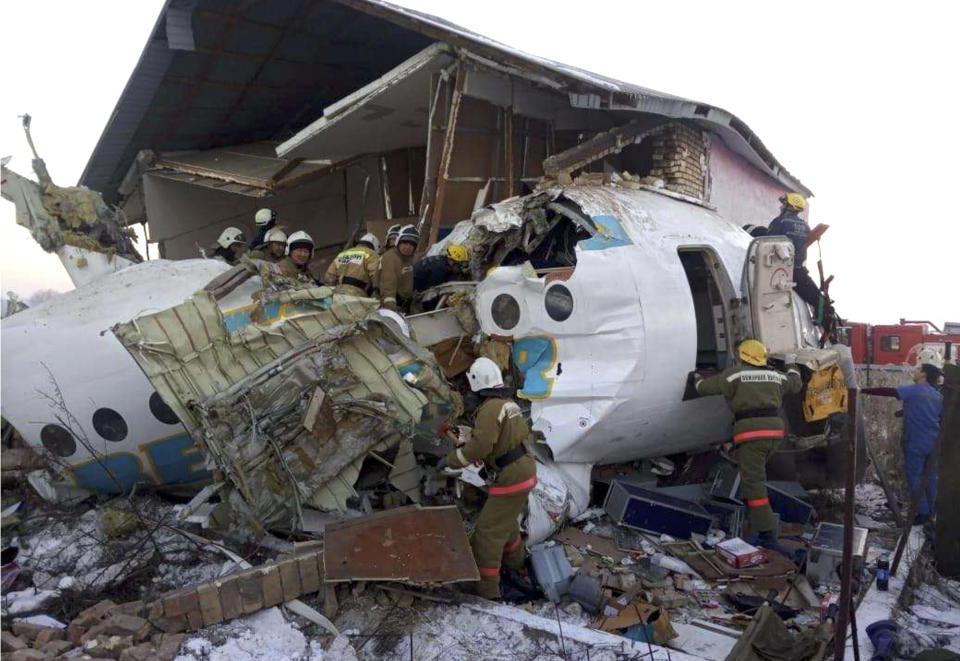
column 448, row 631
column 79, row 550
column 28, row 601
column 933, row 620
column 263, row 636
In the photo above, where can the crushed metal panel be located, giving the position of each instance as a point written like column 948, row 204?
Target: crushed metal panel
column 242, row 382
column 409, row 544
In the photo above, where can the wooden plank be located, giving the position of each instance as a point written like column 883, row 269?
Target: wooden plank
column 444, row 168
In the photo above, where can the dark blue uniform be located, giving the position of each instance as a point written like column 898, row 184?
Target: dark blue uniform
column 790, row 225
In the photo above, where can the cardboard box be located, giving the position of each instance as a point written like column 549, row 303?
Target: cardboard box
column 737, row 553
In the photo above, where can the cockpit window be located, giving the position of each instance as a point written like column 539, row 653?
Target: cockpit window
column 505, row 311
column 559, row 303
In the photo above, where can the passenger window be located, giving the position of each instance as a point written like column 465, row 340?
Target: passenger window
column 505, row 311
column 559, row 303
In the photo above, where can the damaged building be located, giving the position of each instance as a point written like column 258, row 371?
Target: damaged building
column 602, row 223
column 229, row 111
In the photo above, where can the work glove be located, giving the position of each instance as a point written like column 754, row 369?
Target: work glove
column 790, row 359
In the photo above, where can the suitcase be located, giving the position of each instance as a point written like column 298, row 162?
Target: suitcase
column 644, row 509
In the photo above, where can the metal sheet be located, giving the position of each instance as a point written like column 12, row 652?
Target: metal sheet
column 409, row 544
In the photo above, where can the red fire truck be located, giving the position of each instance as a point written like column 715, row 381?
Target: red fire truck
column 898, row 344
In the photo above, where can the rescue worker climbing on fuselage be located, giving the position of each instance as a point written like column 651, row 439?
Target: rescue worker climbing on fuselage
column 396, row 271
column 354, row 271
column 274, row 247
column 922, row 409
column 230, row 245
column 791, row 225
column 754, row 393
column 500, row 440
column 299, row 253
column 452, row 264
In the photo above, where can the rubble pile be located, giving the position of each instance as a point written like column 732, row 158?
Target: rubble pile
column 594, row 578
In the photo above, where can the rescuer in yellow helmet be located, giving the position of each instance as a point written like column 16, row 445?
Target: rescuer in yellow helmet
column 754, row 393
column 791, row 225
column 452, row 264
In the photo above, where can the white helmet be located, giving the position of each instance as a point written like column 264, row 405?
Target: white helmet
column 300, row 237
column 409, row 234
column 930, row 356
column 372, row 240
column 264, row 216
column 275, row 234
column 484, row 374
column 230, row 236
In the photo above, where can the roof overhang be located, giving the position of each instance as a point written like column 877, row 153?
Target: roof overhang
column 210, row 77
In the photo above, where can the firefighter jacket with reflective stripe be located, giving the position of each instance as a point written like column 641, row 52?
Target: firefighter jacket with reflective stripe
column 357, row 267
column 749, row 390
column 396, row 279
column 290, row 270
column 500, row 427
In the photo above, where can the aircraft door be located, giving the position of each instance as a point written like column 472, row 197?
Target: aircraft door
column 768, row 288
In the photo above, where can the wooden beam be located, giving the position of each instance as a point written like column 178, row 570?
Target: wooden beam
column 446, row 155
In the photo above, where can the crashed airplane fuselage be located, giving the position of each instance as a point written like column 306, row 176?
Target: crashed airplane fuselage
column 609, row 296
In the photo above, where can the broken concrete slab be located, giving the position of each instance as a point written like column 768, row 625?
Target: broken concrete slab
column 411, row 544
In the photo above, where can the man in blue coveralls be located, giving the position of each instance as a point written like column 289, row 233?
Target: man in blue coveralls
column 922, row 406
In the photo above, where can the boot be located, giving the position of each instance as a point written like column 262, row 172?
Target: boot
column 768, row 540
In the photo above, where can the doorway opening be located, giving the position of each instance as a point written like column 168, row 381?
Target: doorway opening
column 701, row 269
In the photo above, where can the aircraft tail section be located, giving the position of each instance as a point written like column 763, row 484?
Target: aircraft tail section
column 75, row 223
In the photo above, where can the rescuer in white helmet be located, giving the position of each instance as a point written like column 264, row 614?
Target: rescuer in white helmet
column 354, row 271
column 396, row 271
column 922, row 408
column 299, row 253
column 230, row 245
column 274, row 246
column 500, row 441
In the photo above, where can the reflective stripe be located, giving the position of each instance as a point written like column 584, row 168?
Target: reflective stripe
column 510, row 547
column 794, row 370
column 757, row 502
column 514, row 488
column 757, row 376
column 509, row 410
column 760, row 433
column 390, row 299
column 489, row 571
column 463, row 460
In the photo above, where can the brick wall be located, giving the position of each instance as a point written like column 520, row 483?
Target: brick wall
column 680, row 159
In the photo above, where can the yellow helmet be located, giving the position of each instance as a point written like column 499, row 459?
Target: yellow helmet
column 794, row 201
column 753, row 352
column 458, row 252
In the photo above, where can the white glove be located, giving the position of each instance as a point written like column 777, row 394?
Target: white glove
column 790, row 359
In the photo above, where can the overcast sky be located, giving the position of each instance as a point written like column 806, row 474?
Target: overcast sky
column 857, row 99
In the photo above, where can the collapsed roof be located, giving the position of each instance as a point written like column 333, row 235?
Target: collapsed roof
column 212, row 75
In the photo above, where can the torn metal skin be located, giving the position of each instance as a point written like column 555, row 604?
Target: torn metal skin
column 287, row 396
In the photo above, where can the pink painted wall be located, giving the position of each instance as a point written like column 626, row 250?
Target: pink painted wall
column 741, row 192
